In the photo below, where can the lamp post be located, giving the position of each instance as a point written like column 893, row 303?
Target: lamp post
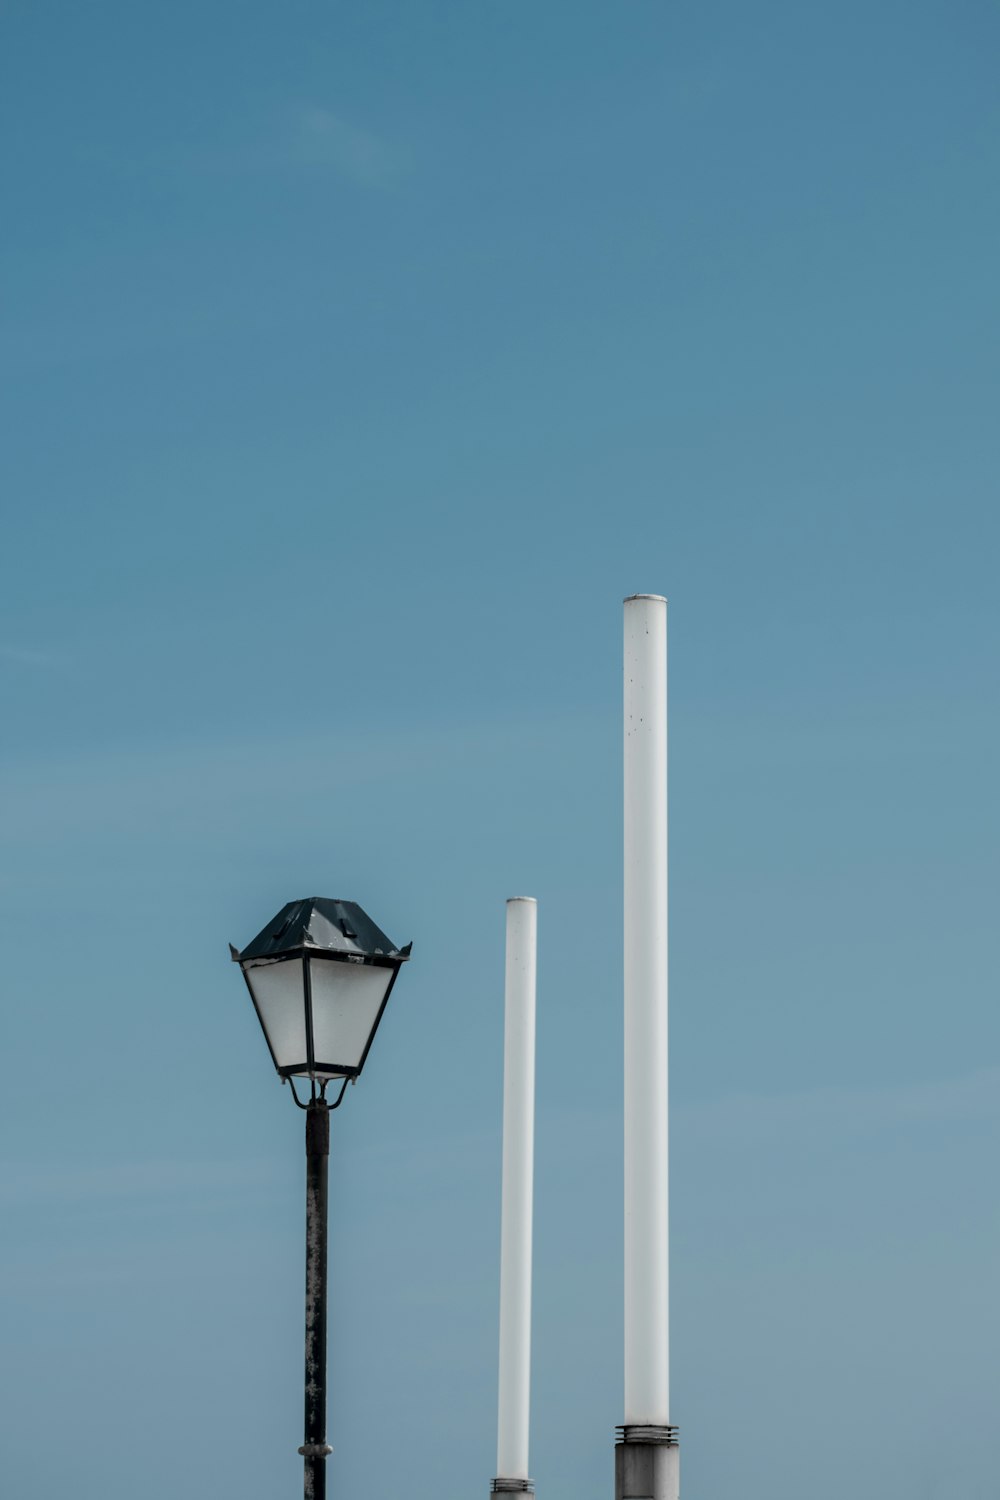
column 319, row 975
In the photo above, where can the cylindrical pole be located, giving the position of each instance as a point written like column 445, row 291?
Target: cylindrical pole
column 518, row 1164
column 647, row 1436
column 315, row 1447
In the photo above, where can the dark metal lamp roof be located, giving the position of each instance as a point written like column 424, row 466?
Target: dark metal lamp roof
column 324, row 924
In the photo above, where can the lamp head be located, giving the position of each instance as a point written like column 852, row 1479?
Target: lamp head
column 320, row 975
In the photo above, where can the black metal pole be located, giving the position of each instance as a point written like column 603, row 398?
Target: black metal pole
column 315, row 1448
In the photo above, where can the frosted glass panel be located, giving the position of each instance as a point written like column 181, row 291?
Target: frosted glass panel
column 277, row 989
column 346, row 1001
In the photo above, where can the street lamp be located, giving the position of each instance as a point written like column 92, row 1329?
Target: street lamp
column 319, row 975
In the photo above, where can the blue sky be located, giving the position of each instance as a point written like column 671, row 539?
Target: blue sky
column 356, row 361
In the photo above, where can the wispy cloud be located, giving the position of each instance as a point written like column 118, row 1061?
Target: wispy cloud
column 100, row 1182
column 300, row 136
column 753, row 1120
column 30, row 656
column 325, row 139
column 134, row 790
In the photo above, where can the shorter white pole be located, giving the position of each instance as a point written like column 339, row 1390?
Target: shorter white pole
column 518, row 1171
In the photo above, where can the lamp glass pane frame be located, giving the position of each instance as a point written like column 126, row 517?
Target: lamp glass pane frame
column 308, row 1068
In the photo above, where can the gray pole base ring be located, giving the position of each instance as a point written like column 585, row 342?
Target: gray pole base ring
column 512, row 1486
column 647, row 1463
column 315, row 1450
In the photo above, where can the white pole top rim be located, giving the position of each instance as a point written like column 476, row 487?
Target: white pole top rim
column 657, row 598
column 532, row 899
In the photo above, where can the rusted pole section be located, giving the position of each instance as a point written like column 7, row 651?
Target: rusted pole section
column 315, row 1448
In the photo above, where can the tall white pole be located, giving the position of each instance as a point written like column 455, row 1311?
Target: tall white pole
column 518, row 1171
column 647, row 1370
